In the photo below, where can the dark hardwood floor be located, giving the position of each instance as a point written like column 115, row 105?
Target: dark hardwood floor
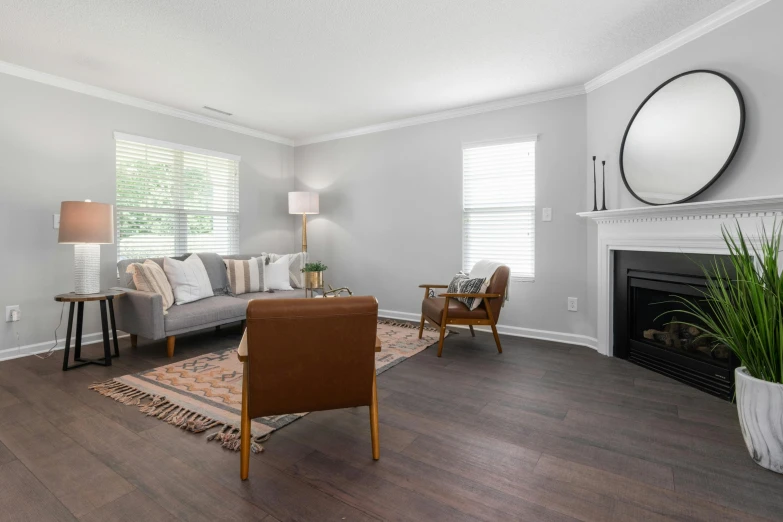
column 542, row 432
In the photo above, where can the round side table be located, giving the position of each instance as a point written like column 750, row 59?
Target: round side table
column 103, row 298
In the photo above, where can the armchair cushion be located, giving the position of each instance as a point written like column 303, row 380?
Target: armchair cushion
column 433, row 308
column 463, row 284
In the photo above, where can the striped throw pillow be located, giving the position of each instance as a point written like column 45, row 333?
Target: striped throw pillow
column 462, row 284
column 246, row 276
column 149, row 277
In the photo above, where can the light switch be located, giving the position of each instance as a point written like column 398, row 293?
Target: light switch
column 56, row 220
column 546, row 214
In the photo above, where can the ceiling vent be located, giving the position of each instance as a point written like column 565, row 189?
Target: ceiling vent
column 217, row 110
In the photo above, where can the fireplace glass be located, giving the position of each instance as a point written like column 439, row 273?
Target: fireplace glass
column 655, row 321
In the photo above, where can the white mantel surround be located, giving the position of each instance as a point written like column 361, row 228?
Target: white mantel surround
column 688, row 228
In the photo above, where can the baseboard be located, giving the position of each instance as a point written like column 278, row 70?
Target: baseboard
column 31, row 349
column 516, row 331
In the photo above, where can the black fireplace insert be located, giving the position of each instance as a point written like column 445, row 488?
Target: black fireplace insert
column 649, row 331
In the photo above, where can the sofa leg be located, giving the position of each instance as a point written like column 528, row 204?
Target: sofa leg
column 134, row 340
column 421, row 326
column 472, row 333
column 170, row 345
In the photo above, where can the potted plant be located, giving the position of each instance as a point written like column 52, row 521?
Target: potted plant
column 314, row 274
column 745, row 313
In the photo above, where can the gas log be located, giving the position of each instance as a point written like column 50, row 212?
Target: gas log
column 688, row 338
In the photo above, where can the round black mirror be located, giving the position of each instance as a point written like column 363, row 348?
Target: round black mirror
column 682, row 137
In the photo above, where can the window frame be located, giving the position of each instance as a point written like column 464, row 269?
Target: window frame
column 520, row 208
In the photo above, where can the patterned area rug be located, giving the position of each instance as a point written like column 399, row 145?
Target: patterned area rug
column 205, row 392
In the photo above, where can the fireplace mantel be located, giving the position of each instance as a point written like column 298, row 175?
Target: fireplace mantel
column 720, row 209
column 686, row 228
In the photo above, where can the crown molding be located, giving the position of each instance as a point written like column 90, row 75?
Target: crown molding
column 708, row 24
column 99, row 92
column 697, row 30
column 507, row 103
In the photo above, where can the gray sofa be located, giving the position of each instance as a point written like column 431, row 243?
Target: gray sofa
column 140, row 314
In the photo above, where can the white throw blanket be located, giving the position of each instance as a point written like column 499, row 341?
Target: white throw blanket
column 486, row 269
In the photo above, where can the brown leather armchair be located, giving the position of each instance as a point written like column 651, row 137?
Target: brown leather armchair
column 445, row 309
column 309, row 355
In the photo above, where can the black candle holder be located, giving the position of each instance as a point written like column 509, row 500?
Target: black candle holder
column 595, row 189
column 603, row 184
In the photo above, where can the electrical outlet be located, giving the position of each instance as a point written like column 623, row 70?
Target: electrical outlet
column 56, row 220
column 9, row 312
column 546, row 214
column 572, row 304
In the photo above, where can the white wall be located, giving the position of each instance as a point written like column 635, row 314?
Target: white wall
column 748, row 50
column 58, row 145
column 391, row 210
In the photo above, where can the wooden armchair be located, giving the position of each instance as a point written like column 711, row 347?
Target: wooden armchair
column 445, row 309
column 308, row 355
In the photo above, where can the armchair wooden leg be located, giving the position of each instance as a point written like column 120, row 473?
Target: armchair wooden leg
column 134, row 340
column 170, row 340
column 421, row 324
column 472, row 333
column 376, row 442
column 440, row 341
column 497, row 339
column 244, row 437
column 443, row 320
column 492, row 324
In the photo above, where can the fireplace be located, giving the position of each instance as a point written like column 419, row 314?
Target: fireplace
column 649, row 331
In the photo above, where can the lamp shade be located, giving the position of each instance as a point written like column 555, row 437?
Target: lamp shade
column 86, row 222
column 303, row 202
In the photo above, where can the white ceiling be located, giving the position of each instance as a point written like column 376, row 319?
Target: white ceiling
column 299, row 68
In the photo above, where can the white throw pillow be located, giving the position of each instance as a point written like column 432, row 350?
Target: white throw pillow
column 188, row 279
column 276, row 275
column 296, row 263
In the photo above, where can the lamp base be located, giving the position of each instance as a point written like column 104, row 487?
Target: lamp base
column 87, row 268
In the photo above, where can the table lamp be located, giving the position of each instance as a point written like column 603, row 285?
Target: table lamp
column 86, row 225
column 303, row 203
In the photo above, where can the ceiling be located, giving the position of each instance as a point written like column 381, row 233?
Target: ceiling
column 301, row 68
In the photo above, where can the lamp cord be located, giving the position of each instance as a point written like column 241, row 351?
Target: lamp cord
column 50, row 352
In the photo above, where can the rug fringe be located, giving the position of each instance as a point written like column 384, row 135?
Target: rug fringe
column 178, row 416
column 403, row 324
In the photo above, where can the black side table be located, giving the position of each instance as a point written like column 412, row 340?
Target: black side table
column 102, row 298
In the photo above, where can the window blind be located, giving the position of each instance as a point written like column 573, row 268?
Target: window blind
column 498, row 205
column 174, row 199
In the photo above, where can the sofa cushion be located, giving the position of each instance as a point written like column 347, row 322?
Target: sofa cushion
column 277, row 294
column 204, row 313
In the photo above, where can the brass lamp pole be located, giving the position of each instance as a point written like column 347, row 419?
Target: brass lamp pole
column 303, row 203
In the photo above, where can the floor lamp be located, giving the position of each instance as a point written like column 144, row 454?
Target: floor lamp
column 86, row 225
column 303, row 203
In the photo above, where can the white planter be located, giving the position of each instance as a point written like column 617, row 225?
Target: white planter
column 760, row 408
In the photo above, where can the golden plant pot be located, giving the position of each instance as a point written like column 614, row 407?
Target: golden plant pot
column 314, row 279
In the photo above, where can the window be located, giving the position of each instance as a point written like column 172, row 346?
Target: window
column 499, row 205
column 173, row 199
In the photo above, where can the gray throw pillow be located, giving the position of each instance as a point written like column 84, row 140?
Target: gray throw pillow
column 216, row 271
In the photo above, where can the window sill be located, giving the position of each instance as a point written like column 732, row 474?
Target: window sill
column 523, row 279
